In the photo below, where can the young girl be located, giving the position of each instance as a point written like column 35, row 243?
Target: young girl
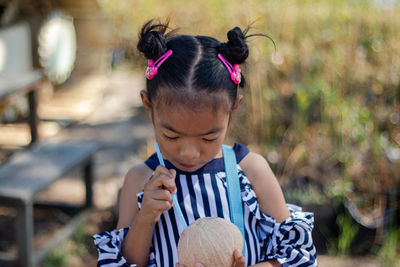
column 192, row 91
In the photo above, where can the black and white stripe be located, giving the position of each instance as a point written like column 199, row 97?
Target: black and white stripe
column 199, row 195
column 204, row 194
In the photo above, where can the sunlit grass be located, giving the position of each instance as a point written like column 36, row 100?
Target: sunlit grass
column 389, row 252
column 326, row 105
column 69, row 250
column 336, row 70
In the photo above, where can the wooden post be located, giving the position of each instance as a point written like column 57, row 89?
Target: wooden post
column 25, row 234
column 88, row 176
column 397, row 206
column 33, row 119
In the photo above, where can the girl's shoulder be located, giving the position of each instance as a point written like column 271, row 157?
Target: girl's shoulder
column 137, row 176
column 255, row 166
column 241, row 151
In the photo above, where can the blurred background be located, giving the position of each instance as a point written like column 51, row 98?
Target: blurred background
column 323, row 107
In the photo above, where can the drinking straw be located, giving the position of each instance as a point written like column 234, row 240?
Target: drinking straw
column 174, row 198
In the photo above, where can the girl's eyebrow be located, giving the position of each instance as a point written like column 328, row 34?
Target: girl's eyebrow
column 170, row 128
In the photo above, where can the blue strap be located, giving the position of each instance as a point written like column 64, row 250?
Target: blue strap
column 174, row 197
column 234, row 194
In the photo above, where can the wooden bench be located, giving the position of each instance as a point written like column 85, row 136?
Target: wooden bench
column 23, row 84
column 17, row 75
column 29, row 172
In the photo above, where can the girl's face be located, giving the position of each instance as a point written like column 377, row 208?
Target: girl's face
column 190, row 139
column 187, row 138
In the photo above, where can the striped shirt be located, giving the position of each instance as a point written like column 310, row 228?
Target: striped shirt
column 203, row 193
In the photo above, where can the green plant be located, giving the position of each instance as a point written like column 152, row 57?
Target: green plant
column 57, row 257
column 389, row 253
column 306, row 195
column 348, row 231
column 80, row 238
column 340, row 189
column 76, row 246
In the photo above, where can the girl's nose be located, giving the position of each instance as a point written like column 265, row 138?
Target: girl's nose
column 189, row 151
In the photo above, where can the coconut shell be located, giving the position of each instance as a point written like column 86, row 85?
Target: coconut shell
column 210, row 241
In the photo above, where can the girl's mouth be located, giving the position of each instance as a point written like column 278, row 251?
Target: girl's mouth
column 187, row 166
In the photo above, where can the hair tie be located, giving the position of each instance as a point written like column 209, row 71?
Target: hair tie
column 234, row 71
column 152, row 68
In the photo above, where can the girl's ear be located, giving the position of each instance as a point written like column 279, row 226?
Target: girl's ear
column 145, row 99
column 238, row 101
column 146, row 102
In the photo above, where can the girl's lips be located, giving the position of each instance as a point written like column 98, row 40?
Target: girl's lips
column 187, row 165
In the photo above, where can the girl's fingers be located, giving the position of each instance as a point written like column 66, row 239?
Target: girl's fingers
column 160, row 205
column 182, row 265
column 157, row 196
column 164, row 205
column 161, row 194
column 170, row 186
column 172, row 172
column 239, row 259
column 163, row 178
column 161, row 169
column 165, row 183
column 236, row 254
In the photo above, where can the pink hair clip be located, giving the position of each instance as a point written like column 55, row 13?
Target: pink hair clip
column 152, row 68
column 234, row 71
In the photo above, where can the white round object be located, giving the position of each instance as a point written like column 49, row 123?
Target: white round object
column 57, row 46
column 210, row 241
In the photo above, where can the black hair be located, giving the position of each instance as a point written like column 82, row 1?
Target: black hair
column 194, row 66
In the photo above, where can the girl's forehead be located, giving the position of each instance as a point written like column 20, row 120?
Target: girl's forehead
column 191, row 100
column 187, row 111
column 183, row 120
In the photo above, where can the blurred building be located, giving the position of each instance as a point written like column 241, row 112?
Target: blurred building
column 66, row 35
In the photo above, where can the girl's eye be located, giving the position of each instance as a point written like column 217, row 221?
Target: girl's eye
column 210, row 139
column 171, row 137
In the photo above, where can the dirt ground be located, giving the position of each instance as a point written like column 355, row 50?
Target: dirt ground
column 119, row 123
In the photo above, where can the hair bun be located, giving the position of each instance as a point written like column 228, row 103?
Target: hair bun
column 152, row 40
column 235, row 50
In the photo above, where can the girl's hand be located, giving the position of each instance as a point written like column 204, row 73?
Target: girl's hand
column 239, row 261
column 182, row 265
column 157, row 194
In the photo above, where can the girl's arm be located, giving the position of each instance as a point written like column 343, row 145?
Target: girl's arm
column 270, row 263
column 136, row 246
column 156, row 199
column 134, row 183
column 291, row 236
column 266, row 186
column 129, row 216
column 239, row 261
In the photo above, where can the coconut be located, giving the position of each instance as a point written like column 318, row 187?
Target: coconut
column 210, row 241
